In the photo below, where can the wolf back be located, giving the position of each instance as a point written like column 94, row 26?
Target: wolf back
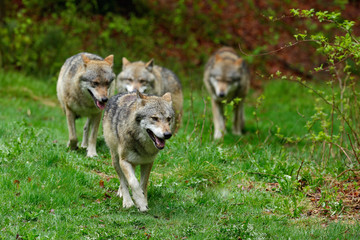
column 82, row 90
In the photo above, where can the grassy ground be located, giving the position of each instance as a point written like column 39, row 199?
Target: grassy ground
column 242, row 187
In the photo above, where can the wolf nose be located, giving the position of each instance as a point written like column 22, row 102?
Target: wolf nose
column 222, row 94
column 167, row 135
column 104, row 99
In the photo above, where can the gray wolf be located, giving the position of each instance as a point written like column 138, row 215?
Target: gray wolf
column 135, row 128
column 82, row 90
column 226, row 78
column 151, row 79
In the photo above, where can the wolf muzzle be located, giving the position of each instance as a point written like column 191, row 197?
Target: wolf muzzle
column 159, row 142
column 99, row 103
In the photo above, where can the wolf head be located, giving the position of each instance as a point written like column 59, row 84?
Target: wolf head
column 156, row 117
column 137, row 76
column 97, row 78
column 225, row 76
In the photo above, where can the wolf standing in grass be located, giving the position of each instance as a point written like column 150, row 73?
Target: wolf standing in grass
column 151, row 79
column 135, row 129
column 227, row 78
column 82, row 90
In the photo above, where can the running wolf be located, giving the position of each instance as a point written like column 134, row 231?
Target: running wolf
column 151, row 79
column 226, row 78
column 82, row 90
column 135, row 128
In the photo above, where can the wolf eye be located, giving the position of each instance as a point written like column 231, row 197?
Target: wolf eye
column 143, row 82
column 235, row 79
column 168, row 119
column 215, row 77
column 155, row 119
column 95, row 84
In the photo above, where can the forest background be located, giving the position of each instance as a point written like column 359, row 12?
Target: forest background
column 37, row 36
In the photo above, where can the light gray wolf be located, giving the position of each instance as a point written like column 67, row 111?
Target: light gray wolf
column 82, row 90
column 135, row 128
column 227, row 78
column 151, row 79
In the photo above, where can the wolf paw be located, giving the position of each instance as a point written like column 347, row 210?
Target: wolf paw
column 84, row 145
column 72, row 144
column 143, row 208
column 91, row 154
column 237, row 132
column 128, row 203
column 218, row 135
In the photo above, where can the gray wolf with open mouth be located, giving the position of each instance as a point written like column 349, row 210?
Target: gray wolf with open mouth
column 226, row 78
column 151, row 79
column 82, row 90
column 135, row 128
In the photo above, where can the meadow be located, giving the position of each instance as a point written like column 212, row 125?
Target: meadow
column 256, row 186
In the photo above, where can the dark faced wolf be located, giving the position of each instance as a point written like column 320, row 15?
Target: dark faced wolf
column 82, row 90
column 226, row 78
column 151, row 79
column 136, row 127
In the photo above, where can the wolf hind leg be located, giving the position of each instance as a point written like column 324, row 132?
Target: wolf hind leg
column 138, row 195
column 85, row 140
column 94, row 122
column 70, row 118
column 239, row 119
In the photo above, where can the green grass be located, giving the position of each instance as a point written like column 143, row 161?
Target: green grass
column 240, row 188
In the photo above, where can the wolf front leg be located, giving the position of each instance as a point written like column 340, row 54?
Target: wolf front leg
column 94, row 122
column 123, row 188
column 70, row 118
column 145, row 174
column 85, row 140
column 138, row 195
column 218, row 119
column 239, row 119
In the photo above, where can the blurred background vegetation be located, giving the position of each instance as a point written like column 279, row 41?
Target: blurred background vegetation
column 37, row 36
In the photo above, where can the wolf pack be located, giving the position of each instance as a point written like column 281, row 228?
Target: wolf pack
column 141, row 108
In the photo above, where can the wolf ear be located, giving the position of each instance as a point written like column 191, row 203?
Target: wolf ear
column 141, row 99
column 239, row 62
column 110, row 60
column 85, row 59
column 149, row 65
column 125, row 62
column 218, row 58
column 167, row 97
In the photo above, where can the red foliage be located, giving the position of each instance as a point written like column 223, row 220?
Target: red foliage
column 248, row 25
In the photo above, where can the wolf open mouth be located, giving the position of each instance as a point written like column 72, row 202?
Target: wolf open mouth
column 100, row 105
column 159, row 142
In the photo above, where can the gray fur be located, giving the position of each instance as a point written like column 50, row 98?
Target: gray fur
column 227, row 77
column 127, row 121
column 82, row 90
column 151, row 79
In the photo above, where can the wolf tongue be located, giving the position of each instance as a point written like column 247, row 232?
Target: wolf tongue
column 100, row 105
column 160, row 143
